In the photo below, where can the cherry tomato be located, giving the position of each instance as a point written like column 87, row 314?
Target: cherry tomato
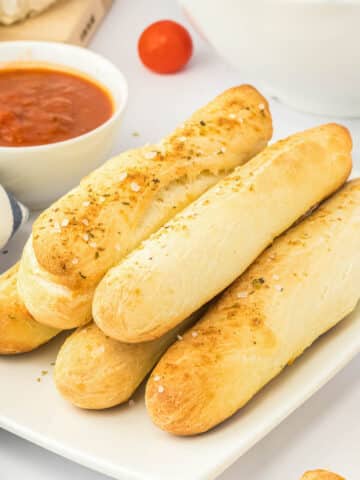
column 165, row 46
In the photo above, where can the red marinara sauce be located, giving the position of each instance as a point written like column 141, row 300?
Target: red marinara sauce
column 40, row 105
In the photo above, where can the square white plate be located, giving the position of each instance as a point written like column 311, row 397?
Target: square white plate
column 123, row 443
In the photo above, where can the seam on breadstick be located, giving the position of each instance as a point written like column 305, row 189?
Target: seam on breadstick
column 220, row 234
column 300, row 287
column 89, row 230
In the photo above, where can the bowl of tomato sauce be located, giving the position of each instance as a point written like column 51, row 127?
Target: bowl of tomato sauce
column 60, row 111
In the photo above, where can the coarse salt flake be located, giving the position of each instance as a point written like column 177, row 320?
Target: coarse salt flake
column 57, row 227
column 150, row 155
column 194, row 334
column 232, row 115
column 122, row 176
column 86, row 203
column 86, row 237
column 101, row 199
column 93, row 244
column 157, row 378
column 276, row 277
column 85, row 221
column 98, row 351
column 223, row 149
column 261, row 107
column 179, row 337
column 135, row 187
column 161, row 389
column 65, row 222
column 279, row 288
column 75, row 261
column 182, row 139
column 242, row 294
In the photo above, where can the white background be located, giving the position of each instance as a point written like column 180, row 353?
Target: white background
column 325, row 432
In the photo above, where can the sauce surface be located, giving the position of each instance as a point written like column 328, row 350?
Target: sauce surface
column 40, row 106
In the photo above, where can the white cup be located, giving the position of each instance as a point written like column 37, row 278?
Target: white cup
column 37, row 175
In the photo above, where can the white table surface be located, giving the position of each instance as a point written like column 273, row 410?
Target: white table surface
column 323, row 433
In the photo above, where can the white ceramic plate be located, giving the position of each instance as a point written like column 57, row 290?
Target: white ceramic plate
column 123, row 443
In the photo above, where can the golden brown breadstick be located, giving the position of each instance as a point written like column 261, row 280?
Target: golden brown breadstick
column 321, row 475
column 203, row 249
column 92, row 228
column 299, row 288
column 19, row 332
column 95, row 372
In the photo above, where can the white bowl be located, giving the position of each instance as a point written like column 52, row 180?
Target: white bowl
column 306, row 52
column 37, row 175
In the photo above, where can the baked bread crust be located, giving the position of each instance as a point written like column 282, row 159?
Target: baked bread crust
column 203, row 249
column 19, row 332
column 299, row 288
column 321, row 475
column 94, row 371
column 93, row 227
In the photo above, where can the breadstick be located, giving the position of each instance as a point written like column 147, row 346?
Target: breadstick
column 321, row 475
column 207, row 246
column 299, row 288
column 19, row 332
column 92, row 228
column 95, row 372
